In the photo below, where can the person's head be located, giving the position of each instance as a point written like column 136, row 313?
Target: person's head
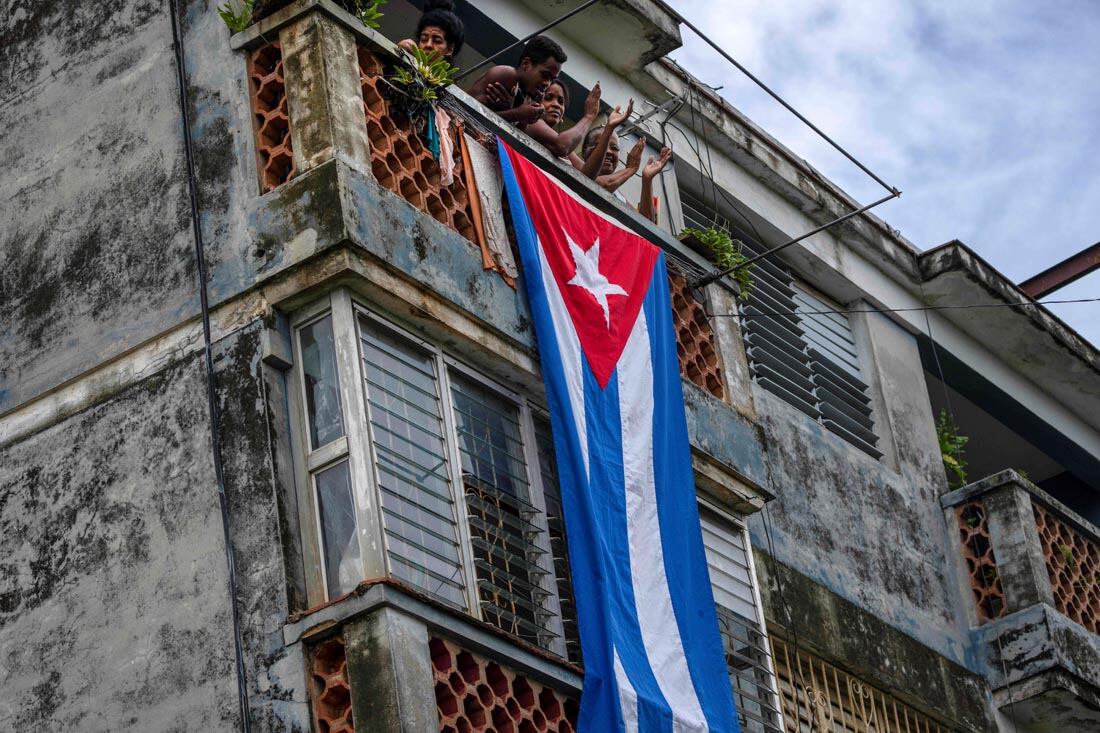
column 554, row 102
column 439, row 30
column 610, row 158
column 539, row 64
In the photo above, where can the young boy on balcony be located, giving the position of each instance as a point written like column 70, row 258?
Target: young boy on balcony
column 439, row 31
column 516, row 92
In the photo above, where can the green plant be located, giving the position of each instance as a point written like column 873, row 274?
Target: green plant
column 727, row 253
column 368, row 13
column 1067, row 555
column 427, row 76
column 237, row 21
column 951, row 449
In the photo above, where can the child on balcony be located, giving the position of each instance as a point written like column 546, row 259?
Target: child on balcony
column 516, row 92
column 439, row 31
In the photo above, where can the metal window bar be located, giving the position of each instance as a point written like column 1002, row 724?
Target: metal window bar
column 819, row 697
column 509, row 563
column 407, row 436
column 559, row 550
column 809, row 360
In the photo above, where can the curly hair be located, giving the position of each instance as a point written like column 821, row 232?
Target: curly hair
column 440, row 13
column 540, row 48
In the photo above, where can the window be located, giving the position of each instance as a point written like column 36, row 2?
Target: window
column 447, row 482
column 741, row 622
column 796, row 351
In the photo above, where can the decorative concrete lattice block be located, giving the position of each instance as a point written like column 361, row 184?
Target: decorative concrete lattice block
column 1073, row 563
column 981, row 564
column 402, row 162
column 329, row 690
column 474, row 694
column 269, row 111
column 695, row 344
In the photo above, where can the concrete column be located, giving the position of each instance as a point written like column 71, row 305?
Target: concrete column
column 324, row 97
column 1020, row 562
column 735, row 364
column 390, row 672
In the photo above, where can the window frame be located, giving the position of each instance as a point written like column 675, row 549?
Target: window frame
column 727, row 520
column 357, row 447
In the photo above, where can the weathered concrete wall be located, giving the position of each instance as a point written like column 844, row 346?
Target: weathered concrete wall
column 114, row 612
column 113, row 559
column 96, row 253
column 866, row 530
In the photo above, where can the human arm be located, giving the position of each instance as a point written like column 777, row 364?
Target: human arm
column 612, row 181
column 408, row 44
column 652, row 169
column 562, row 143
column 594, row 160
column 495, row 88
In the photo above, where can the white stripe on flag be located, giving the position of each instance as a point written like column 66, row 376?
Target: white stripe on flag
column 656, row 616
column 628, row 698
column 572, row 362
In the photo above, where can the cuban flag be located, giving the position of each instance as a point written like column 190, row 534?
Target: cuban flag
column 599, row 296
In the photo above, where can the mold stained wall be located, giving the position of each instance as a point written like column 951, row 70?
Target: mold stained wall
column 114, row 599
column 96, row 252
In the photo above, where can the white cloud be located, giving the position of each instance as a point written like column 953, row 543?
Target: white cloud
column 986, row 114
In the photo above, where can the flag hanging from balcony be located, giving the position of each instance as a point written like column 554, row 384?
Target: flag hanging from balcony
column 599, row 296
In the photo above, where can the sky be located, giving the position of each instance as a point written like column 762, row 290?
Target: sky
column 985, row 114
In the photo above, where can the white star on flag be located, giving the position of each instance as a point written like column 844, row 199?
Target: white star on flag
column 588, row 276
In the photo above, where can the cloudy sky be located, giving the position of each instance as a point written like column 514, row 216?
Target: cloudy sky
column 986, row 114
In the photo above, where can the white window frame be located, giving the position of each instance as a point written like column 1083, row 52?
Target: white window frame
column 736, row 524
column 357, row 447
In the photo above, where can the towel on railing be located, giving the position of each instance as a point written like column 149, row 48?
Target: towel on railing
column 486, row 196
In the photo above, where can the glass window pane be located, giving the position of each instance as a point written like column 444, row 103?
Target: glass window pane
column 406, row 417
column 335, row 504
column 322, row 389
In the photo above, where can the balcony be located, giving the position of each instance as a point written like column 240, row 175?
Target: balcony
column 1032, row 569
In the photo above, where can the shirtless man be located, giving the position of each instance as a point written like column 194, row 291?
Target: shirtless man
column 515, row 92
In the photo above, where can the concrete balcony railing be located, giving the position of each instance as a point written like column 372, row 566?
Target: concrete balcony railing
column 1032, row 569
column 319, row 90
column 392, row 663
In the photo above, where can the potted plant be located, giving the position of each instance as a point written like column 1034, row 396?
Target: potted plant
column 725, row 252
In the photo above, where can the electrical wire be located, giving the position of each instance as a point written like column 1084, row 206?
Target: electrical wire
column 211, row 395
column 962, row 306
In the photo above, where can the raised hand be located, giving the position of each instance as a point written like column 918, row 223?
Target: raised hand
column 617, row 117
column 656, row 165
column 634, row 157
column 527, row 113
column 592, row 102
column 498, row 97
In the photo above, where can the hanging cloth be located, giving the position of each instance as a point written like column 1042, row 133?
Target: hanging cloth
column 446, row 153
column 431, row 133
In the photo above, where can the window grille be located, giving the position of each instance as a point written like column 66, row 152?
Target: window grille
column 507, row 558
column 555, row 525
column 807, row 358
column 741, row 624
column 443, row 485
column 820, row 698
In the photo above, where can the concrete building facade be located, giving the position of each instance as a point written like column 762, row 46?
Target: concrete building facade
column 273, row 444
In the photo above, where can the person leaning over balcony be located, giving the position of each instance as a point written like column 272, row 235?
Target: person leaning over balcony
column 606, row 139
column 439, row 31
column 554, row 102
column 515, row 92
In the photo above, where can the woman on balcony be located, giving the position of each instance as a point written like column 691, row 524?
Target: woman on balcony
column 439, row 32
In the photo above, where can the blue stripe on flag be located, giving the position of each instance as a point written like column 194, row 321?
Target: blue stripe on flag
column 685, row 558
